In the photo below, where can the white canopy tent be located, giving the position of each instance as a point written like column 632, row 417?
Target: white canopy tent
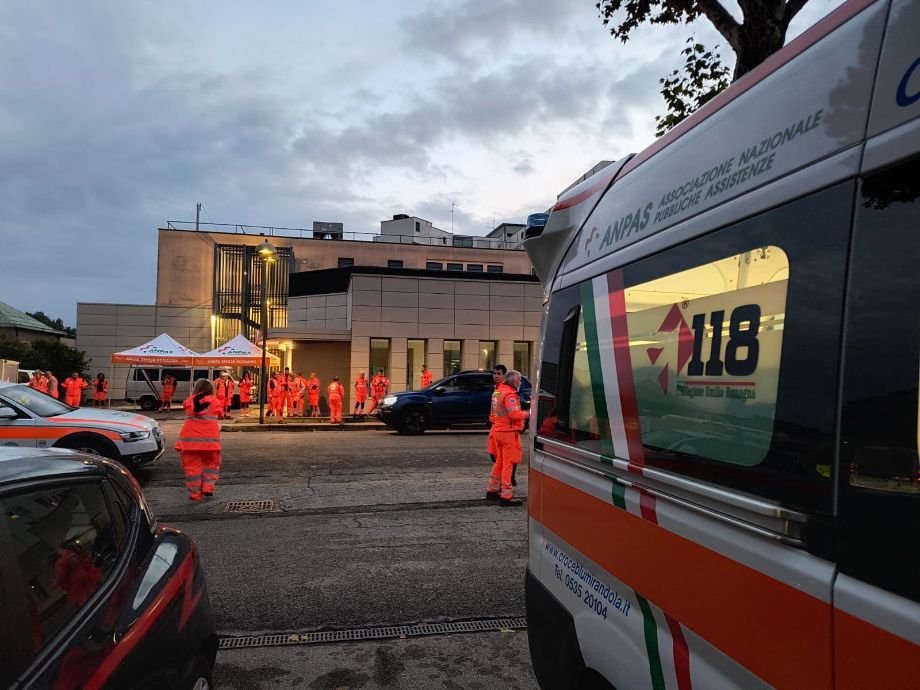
column 237, row 352
column 162, row 351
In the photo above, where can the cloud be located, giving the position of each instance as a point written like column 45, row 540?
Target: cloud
column 524, row 167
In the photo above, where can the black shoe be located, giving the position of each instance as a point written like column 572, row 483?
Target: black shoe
column 492, row 495
column 510, row 502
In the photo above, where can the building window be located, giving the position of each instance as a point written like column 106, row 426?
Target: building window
column 418, row 226
column 394, row 263
column 494, row 269
column 463, row 242
column 415, row 358
column 451, row 357
column 486, row 354
column 474, row 268
column 522, row 358
column 345, row 262
column 454, row 267
column 434, row 266
column 443, row 240
column 380, row 355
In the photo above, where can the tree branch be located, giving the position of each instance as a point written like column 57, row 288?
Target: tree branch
column 723, row 21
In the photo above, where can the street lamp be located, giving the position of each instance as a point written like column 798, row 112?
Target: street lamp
column 268, row 254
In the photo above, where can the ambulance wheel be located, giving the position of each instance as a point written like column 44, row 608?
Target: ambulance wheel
column 87, row 444
column 415, row 421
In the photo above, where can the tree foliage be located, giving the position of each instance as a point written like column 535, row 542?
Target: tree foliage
column 702, row 79
column 759, row 34
column 45, row 354
column 56, row 324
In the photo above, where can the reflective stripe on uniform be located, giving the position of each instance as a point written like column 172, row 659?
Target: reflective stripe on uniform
column 186, row 439
column 195, row 416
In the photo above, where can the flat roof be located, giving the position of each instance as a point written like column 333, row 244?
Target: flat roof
column 328, row 280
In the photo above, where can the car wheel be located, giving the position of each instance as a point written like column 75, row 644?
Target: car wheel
column 149, row 404
column 87, row 446
column 415, row 421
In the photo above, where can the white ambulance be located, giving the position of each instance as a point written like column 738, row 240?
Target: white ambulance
column 724, row 483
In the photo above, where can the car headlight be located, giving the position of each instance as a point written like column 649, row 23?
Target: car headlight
column 390, row 400
column 129, row 436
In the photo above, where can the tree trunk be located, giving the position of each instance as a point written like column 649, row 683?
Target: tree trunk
column 762, row 34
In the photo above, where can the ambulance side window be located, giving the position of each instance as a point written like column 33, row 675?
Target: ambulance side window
column 879, row 487
column 718, row 358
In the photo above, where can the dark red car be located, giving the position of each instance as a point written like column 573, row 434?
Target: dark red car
column 96, row 593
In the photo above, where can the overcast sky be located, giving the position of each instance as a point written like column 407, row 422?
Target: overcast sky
column 116, row 117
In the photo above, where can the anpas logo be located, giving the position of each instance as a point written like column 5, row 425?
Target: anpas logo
column 674, row 321
column 154, row 350
column 593, row 235
column 903, row 98
column 227, row 350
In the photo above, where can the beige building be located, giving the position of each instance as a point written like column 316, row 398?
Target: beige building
column 326, row 311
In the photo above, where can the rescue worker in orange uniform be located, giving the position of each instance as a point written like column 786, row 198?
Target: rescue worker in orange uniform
column 426, row 378
column 169, row 390
column 199, row 440
column 245, row 394
column 223, row 388
column 299, row 393
column 313, row 393
column 100, row 390
column 35, row 380
column 42, row 382
column 287, row 392
column 336, row 393
column 360, row 395
column 73, row 389
column 276, row 397
column 507, row 427
column 53, row 385
column 498, row 378
column 379, row 385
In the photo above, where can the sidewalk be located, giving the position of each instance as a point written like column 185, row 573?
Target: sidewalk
column 251, row 423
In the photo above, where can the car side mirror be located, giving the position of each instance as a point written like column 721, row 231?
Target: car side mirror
column 440, row 390
column 7, row 413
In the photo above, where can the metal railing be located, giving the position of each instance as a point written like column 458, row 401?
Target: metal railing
column 458, row 241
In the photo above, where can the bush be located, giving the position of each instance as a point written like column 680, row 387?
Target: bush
column 46, row 355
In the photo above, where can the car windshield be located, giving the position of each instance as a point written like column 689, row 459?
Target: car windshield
column 37, row 403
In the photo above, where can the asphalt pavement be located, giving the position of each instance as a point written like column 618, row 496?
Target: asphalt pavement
column 366, row 529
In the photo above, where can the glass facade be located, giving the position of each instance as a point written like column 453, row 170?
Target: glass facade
column 379, row 356
column 451, row 357
column 486, row 354
column 522, row 358
column 415, row 358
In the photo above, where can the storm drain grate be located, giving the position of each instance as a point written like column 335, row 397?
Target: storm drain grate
column 250, row 507
column 360, row 634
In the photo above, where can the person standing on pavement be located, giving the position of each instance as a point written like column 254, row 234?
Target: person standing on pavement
column 100, row 390
column 299, row 394
column 73, row 389
column 360, row 395
column 276, row 397
column 498, row 378
column 426, row 378
column 199, row 440
column 507, row 428
column 245, row 394
column 224, row 390
column 287, row 391
column 313, row 392
column 42, row 382
column 379, row 385
column 336, row 393
column 169, row 390
column 53, row 385
column 35, row 380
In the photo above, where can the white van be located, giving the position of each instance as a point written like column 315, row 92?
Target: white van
column 145, row 384
column 724, row 483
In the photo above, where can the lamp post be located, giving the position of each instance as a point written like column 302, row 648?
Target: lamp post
column 268, row 254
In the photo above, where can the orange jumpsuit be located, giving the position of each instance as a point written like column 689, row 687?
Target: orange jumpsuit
column 73, row 390
column 275, row 398
column 100, row 395
column 287, row 393
column 427, row 378
column 199, row 445
column 43, row 384
column 35, row 382
column 53, row 387
column 361, row 390
column 299, row 387
column 246, row 391
column 336, row 393
column 313, row 391
column 223, row 387
column 379, row 385
column 506, row 428
column 169, row 389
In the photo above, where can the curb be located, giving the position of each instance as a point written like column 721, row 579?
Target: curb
column 294, row 426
